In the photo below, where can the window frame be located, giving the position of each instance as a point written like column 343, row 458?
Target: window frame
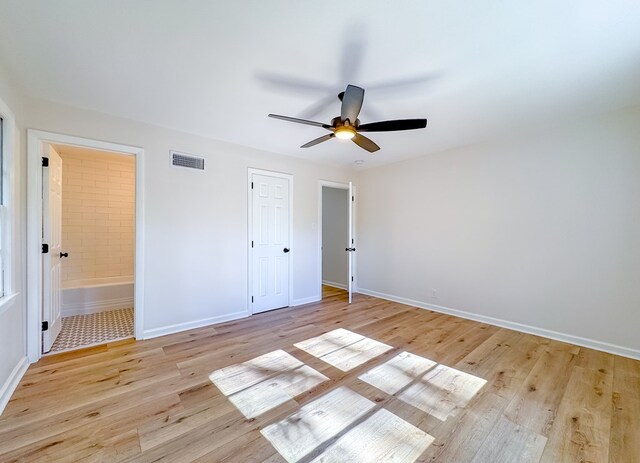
column 8, row 251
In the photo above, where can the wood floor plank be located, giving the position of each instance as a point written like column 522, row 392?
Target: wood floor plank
column 444, row 390
column 625, row 426
column 459, row 440
column 101, row 413
column 511, row 443
column 505, row 361
column 248, row 448
column 537, row 401
column 157, row 432
column 582, row 426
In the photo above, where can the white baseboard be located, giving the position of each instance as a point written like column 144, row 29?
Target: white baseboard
column 67, row 310
column 305, row 300
column 12, row 382
column 170, row 329
column 333, row 284
column 564, row 337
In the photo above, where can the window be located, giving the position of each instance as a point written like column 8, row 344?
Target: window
column 6, row 198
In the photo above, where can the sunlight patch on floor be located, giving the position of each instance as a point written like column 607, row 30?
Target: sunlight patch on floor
column 379, row 437
column 441, row 391
column 315, row 423
column 398, row 372
column 343, row 349
column 434, row 389
column 265, row 382
column 342, row 425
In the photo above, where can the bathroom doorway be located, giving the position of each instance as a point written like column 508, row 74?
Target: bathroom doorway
column 88, row 218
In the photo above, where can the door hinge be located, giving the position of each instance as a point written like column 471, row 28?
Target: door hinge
column 351, row 240
column 351, row 278
column 252, row 185
column 353, row 198
column 251, row 243
column 45, row 326
column 45, row 162
column 252, row 299
column 45, row 248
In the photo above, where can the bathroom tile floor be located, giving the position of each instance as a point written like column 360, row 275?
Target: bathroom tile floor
column 97, row 328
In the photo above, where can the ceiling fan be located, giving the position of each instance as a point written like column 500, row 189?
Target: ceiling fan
column 347, row 126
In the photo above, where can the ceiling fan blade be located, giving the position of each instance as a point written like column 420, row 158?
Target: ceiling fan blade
column 316, row 108
column 410, row 84
column 364, row 142
column 353, row 52
column 289, row 84
column 318, row 140
column 391, row 126
column 301, row 121
column 352, row 103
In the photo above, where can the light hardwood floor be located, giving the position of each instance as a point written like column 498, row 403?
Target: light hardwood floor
column 387, row 379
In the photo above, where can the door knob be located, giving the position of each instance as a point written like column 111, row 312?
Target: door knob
column 285, row 250
column 64, row 254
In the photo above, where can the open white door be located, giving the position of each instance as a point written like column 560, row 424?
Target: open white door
column 350, row 247
column 52, row 236
column 270, row 242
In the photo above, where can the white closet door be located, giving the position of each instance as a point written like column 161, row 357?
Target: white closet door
column 270, row 217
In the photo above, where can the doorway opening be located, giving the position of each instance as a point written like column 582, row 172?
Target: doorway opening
column 337, row 241
column 270, row 240
column 85, row 232
column 89, row 228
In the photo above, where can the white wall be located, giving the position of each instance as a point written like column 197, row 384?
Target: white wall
column 13, row 360
column 335, row 236
column 542, row 230
column 196, row 222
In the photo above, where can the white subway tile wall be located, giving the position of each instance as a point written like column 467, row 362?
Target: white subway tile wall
column 98, row 215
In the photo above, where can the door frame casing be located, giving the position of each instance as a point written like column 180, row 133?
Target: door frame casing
column 268, row 173
column 339, row 186
column 35, row 140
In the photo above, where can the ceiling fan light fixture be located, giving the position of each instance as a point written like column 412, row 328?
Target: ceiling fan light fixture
column 346, row 132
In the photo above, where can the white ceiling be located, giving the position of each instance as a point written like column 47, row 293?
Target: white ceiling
column 474, row 69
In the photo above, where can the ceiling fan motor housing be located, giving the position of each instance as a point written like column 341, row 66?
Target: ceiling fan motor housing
column 337, row 122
